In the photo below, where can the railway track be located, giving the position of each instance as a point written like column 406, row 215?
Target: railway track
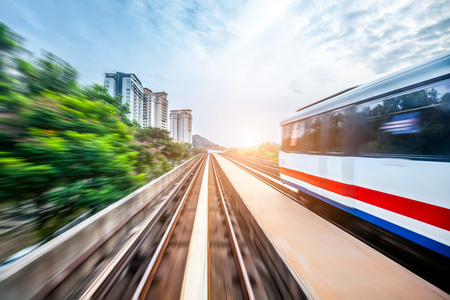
column 151, row 267
column 422, row 261
column 270, row 277
column 225, row 248
column 266, row 167
column 98, row 271
column 199, row 241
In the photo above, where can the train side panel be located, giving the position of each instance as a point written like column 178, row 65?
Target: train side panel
column 386, row 192
column 408, row 193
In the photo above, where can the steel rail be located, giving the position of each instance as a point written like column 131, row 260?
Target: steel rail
column 149, row 273
column 270, row 182
column 101, row 286
column 245, row 280
column 258, row 164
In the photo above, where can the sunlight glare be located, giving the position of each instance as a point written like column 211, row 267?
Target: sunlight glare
column 249, row 139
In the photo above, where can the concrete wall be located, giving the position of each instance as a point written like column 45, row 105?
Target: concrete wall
column 25, row 277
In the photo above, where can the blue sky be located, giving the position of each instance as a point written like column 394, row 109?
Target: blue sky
column 241, row 66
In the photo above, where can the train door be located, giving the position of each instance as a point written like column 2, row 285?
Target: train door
column 338, row 164
column 314, row 164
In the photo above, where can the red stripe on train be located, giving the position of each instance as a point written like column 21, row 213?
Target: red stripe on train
column 424, row 212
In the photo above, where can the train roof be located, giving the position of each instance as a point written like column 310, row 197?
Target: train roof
column 432, row 68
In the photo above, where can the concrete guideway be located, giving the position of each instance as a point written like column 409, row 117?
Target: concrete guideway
column 331, row 263
column 195, row 282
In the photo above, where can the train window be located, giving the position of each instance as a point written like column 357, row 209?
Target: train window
column 301, row 135
column 336, row 131
column 292, row 137
column 415, row 123
column 287, row 133
column 314, row 129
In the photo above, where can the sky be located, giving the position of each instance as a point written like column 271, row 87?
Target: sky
column 241, row 66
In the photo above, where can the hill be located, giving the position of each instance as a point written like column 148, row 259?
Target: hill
column 199, row 141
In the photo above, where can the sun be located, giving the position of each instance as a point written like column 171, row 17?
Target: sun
column 249, row 139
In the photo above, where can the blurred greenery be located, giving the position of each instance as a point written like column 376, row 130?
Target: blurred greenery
column 98, row 92
column 267, row 151
column 69, row 149
column 159, row 138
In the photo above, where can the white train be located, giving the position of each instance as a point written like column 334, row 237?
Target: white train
column 380, row 151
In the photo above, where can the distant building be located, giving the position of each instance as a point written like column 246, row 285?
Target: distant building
column 149, row 109
column 155, row 110
column 181, row 125
column 161, row 109
column 132, row 91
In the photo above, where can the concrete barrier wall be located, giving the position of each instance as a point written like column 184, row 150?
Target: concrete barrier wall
column 25, row 277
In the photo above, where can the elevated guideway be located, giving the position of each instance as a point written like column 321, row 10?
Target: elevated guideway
column 210, row 230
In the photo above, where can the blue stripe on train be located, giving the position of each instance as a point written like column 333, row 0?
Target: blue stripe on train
column 401, row 231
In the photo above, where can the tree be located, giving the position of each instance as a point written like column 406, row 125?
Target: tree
column 56, row 74
column 136, row 123
column 98, row 92
column 9, row 40
column 159, row 137
column 177, row 151
column 161, row 140
column 68, row 151
column 10, row 46
column 48, row 73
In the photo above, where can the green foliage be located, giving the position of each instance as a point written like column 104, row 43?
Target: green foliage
column 177, row 151
column 66, row 148
column 56, row 74
column 159, row 138
column 136, row 123
column 9, row 40
column 68, row 151
column 98, row 92
column 149, row 161
column 267, row 150
column 49, row 73
column 155, row 135
column 67, row 139
column 10, row 45
column 19, row 177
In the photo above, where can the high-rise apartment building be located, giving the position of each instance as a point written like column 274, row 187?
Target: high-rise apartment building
column 132, row 91
column 155, row 109
column 161, row 108
column 181, row 125
column 149, row 109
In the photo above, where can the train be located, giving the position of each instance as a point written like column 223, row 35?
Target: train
column 379, row 151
